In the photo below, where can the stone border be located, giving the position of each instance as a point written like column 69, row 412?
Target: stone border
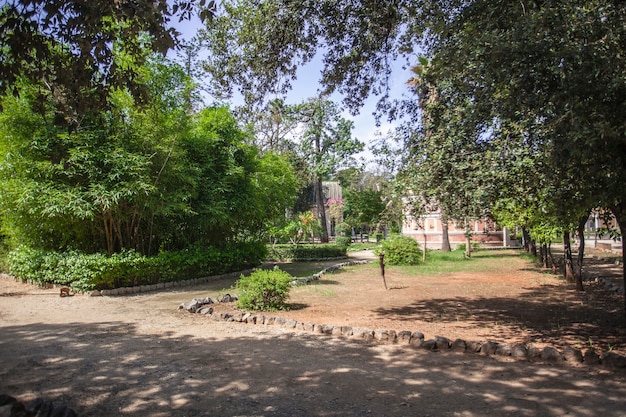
column 165, row 285
column 518, row 351
column 415, row 339
column 315, row 277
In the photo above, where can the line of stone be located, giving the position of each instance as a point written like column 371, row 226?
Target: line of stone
column 416, row 339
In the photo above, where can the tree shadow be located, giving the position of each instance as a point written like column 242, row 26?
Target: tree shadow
column 115, row 368
column 549, row 312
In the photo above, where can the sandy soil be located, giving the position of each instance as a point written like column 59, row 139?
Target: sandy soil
column 140, row 356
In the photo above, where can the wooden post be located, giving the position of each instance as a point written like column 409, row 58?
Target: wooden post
column 382, row 268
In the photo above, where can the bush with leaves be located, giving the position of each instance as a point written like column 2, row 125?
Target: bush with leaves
column 343, row 241
column 400, row 250
column 305, row 252
column 264, row 290
column 85, row 272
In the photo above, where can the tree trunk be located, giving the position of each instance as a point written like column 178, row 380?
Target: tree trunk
column 445, row 237
column 321, row 212
column 526, row 239
column 551, row 258
column 618, row 212
column 468, row 244
column 581, row 253
column 544, row 255
column 567, row 257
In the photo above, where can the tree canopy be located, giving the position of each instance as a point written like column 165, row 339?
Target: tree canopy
column 147, row 178
column 70, row 46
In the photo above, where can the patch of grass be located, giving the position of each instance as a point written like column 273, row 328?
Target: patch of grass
column 319, row 289
column 441, row 263
column 355, row 247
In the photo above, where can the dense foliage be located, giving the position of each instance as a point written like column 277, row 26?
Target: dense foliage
column 264, row 290
column 400, row 250
column 305, row 252
column 85, row 272
column 143, row 179
column 73, row 46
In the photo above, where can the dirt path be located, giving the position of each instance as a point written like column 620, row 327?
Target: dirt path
column 139, row 356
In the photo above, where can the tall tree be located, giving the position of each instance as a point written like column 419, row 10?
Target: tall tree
column 556, row 70
column 327, row 144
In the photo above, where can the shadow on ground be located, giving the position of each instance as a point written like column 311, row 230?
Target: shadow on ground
column 552, row 313
column 111, row 369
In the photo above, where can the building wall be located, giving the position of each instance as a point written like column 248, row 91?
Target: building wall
column 429, row 228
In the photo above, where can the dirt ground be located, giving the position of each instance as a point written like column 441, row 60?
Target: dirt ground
column 140, row 356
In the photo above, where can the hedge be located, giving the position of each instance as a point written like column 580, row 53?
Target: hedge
column 86, row 272
column 305, row 252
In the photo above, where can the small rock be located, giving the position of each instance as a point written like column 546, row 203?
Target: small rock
column 381, row 335
column 290, row 324
column 205, row 310
column 404, row 337
column 550, row 354
column 534, row 353
column 368, row 335
column 574, row 356
column 346, row 331
column 327, row 329
column 613, row 360
column 430, row 344
column 488, row 348
column 503, row 349
column 590, row 357
column 473, row 346
column 417, row 338
column 443, row 343
column 458, row 345
column 519, row 351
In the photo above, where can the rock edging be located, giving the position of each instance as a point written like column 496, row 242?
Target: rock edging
column 165, row 285
column 315, row 277
column 416, row 339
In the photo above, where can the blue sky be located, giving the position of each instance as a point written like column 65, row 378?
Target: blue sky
column 307, row 84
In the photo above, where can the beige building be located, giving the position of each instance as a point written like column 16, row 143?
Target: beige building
column 428, row 228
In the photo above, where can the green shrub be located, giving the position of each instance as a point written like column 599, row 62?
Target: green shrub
column 400, row 250
column 85, row 272
column 305, row 252
column 263, row 290
column 343, row 241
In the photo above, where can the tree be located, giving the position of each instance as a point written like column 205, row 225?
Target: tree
column 257, row 47
column 364, row 208
column 555, row 71
column 145, row 178
column 70, row 46
column 327, row 144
